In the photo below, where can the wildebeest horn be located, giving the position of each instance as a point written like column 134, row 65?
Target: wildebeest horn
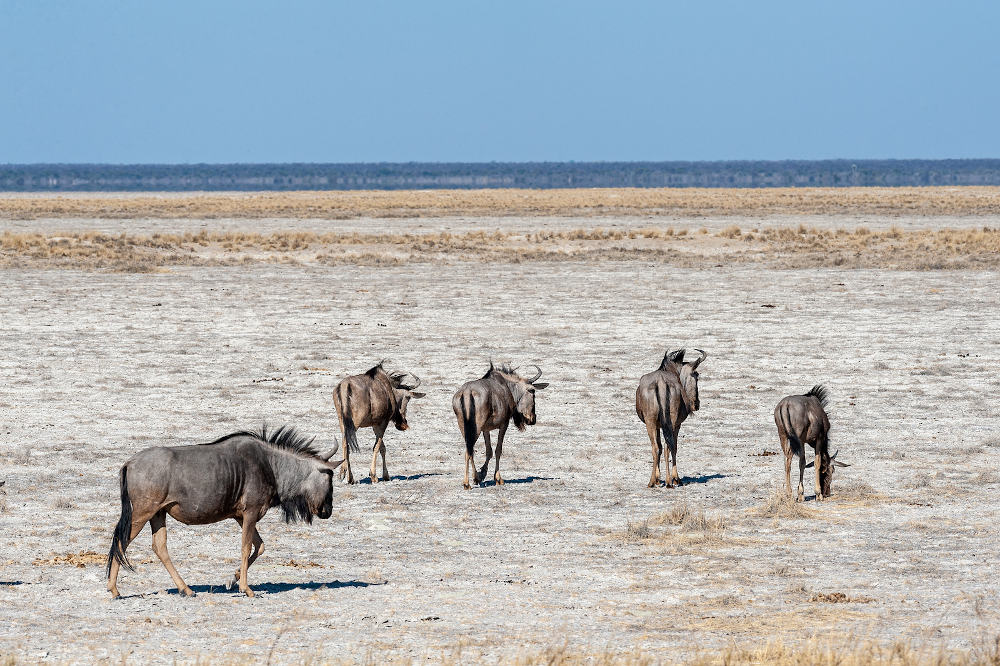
column 332, row 452
column 416, row 379
column 538, row 374
column 702, row 356
column 836, row 462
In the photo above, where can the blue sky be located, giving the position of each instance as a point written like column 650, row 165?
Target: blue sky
column 369, row 81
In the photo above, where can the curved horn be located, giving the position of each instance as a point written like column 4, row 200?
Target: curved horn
column 332, row 452
column 416, row 379
column 702, row 356
column 538, row 374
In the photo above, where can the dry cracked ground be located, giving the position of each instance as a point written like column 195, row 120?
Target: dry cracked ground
column 574, row 553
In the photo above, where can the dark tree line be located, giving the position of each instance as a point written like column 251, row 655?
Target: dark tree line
column 537, row 175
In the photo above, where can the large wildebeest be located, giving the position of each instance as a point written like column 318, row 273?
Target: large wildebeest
column 372, row 400
column 801, row 419
column 488, row 404
column 664, row 398
column 238, row 476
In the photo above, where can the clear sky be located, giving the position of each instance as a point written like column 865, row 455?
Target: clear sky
column 190, row 81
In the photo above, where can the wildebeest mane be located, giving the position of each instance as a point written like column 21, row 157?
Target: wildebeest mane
column 671, row 357
column 819, row 392
column 285, row 437
column 373, row 371
column 503, row 368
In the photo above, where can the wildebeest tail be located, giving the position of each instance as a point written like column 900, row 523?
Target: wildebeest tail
column 123, row 530
column 819, row 391
column 350, row 432
column 469, row 423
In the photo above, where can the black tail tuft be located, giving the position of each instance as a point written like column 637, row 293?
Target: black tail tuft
column 819, row 392
column 350, row 432
column 469, row 423
column 123, row 530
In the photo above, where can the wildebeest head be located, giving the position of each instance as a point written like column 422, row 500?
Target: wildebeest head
column 523, row 391
column 403, row 393
column 688, row 373
column 827, row 464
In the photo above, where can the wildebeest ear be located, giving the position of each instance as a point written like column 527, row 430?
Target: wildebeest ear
column 810, row 463
column 417, row 394
column 540, row 385
column 677, row 356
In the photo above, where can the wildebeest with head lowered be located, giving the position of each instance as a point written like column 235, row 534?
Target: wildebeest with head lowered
column 664, row 398
column 802, row 419
column 490, row 403
column 372, row 400
column 238, row 476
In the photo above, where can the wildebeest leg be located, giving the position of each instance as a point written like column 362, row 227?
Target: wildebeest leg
column 788, row 457
column 158, row 524
column 496, row 466
column 137, row 525
column 345, row 469
column 675, row 477
column 379, row 446
column 820, row 452
column 258, row 550
column 654, row 439
column 801, row 496
column 489, row 455
column 249, row 529
column 385, row 472
column 470, row 460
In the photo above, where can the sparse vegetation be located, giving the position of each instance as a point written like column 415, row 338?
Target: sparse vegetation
column 779, row 246
column 781, row 504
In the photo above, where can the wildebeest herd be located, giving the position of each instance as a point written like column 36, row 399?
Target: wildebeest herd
column 243, row 474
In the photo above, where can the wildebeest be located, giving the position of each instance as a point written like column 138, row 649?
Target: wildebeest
column 801, row 419
column 664, row 398
column 488, row 404
column 372, row 400
column 238, row 476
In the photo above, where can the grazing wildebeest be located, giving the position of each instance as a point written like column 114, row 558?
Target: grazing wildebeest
column 238, row 476
column 664, row 398
column 489, row 404
column 372, row 400
column 801, row 419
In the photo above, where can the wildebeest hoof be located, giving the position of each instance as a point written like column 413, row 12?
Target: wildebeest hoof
column 188, row 592
column 373, row 478
column 248, row 592
column 678, row 482
column 499, row 481
column 231, row 583
column 466, row 486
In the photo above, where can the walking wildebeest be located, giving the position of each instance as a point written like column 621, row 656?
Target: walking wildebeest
column 238, row 476
column 664, row 398
column 372, row 400
column 801, row 419
column 489, row 404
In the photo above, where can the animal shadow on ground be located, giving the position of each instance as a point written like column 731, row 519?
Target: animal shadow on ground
column 270, row 588
column 702, row 479
column 527, row 479
column 10, row 583
column 412, row 477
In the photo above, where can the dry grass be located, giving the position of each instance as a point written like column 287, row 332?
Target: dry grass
column 79, row 560
column 910, row 201
column 689, row 519
column 782, row 504
column 782, row 247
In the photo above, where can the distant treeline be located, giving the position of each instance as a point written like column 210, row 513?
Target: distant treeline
column 533, row 175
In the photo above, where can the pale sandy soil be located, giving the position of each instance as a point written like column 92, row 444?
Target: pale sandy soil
column 99, row 365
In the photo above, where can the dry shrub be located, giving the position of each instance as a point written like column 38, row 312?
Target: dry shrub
column 781, row 504
column 689, row 519
column 636, row 532
column 838, row 598
column 855, row 491
column 732, row 231
column 818, row 652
